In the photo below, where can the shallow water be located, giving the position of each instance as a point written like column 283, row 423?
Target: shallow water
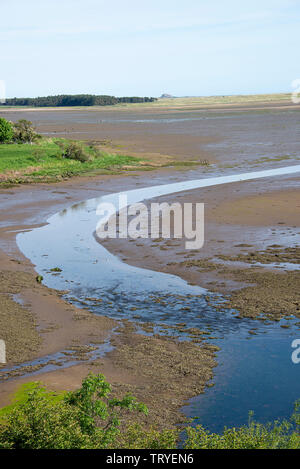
column 55, row 361
column 255, row 371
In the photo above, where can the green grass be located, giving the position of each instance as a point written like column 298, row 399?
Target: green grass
column 43, row 162
column 21, row 395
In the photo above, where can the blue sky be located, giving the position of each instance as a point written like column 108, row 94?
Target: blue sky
column 144, row 48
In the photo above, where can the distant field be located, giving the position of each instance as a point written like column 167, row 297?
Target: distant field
column 187, row 102
column 180, row 103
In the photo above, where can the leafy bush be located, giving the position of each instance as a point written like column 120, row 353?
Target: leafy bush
column 6, row 131
column 136, row 437
column 24, row 132
column 74, row 151
column 85, row 418
column 278, row 435
column 88, row 418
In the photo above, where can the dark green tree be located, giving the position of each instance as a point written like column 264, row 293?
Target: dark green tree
column 76, row 100
column 6, row 131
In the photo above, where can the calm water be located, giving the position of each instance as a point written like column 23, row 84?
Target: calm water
column 254, row 372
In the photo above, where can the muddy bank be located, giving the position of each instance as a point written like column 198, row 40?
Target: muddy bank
column 35, row 321
column 17, row 325
column 174, row 371
column 160, row 372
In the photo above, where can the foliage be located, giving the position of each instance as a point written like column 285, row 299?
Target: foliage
column 100, row 416
column 75, row 100
column 278, row 435
column 6, row 131
column 90, row 418
column 86, row 418
column 24, row 132
column 136, row 99
column 74, row 151
column 21, row 397
column 136, row 437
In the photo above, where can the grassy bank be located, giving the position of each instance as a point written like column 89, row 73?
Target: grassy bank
column 45, row 162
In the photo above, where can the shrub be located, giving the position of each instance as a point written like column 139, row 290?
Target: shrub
column 278, row 435
column 74, row 151
column 88, row 418
column 6, row 131
column 24, row 132
column 136, row 437
column 85, row 418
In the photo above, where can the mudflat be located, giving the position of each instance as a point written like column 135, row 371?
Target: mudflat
column 246, row 224
column 229, row 135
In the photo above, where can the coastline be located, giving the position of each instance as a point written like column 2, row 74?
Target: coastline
column 240, row 217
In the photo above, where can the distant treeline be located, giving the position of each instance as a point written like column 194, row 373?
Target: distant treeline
column 75, row 100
